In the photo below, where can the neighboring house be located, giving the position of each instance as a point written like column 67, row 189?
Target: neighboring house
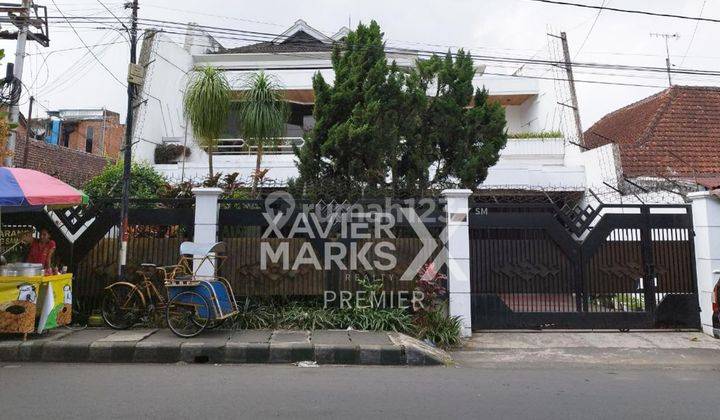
column 95, row 131
column 293, row 58
column 667, row 142
column 74, row 167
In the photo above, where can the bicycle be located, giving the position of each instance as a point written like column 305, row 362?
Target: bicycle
column 126, row 304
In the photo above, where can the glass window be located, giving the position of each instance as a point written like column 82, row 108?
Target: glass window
column 89, row 134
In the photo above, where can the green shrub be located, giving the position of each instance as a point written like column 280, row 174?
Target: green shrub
column 312, row 315
column 442, row 330
column 536, row 135
column 145, row 182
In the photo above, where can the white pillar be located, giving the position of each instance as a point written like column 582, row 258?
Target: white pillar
column 206, row 219
column 458, row 248
column 706, row 222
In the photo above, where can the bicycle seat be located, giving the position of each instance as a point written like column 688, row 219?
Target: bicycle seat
column 148, row 265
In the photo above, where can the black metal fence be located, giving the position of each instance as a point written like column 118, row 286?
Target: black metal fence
column 582, row 268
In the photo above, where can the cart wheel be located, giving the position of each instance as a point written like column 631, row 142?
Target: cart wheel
column 187, row 314
column 122, row 306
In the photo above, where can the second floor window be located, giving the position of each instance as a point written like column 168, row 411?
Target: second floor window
column 89, row 139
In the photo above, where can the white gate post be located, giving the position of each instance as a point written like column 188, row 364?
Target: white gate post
column 206, row 219
column 458, row 250
column 706, row 222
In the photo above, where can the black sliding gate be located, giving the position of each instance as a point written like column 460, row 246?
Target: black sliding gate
column 540, row 266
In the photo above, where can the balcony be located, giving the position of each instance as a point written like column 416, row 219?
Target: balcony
column 238, row 147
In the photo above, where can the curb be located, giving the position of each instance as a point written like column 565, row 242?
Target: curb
column 404, row 351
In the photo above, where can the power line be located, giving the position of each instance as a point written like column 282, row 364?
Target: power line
column 637, row 12
column 113, row 14
column 590, row 31
column 88, row 48
column 692, row 38
column 254, row 36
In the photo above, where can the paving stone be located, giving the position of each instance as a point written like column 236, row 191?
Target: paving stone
column 331, row 337
column 282, row 336
column 251, row 336
column 31, row 349
column 280, row 352
column 370, row 354
column 324, row 353
column 157, row 352
column 87, row 335
column 111, row 352
column 66, row 351
column 257, row 352
column 377, row 338
column 9, row 351
column 74, row 347
column 128, row 335
column 347, row 354
column 302, row 352
column 391, row 355
column 161, row 346
column 235, row 352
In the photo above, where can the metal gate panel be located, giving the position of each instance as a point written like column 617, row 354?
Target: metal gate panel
column 539, row 268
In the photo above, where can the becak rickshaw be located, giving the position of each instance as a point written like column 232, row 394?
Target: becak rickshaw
column 197, row 297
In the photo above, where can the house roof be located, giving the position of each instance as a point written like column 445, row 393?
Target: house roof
column 672, row 134
column 300, row 37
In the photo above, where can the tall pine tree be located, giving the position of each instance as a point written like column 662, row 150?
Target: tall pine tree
column 379, row 129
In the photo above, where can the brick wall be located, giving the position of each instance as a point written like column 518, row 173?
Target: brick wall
column 72, row 166
column 107, row 136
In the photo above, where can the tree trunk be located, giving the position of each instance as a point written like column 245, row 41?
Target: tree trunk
column 256, row 176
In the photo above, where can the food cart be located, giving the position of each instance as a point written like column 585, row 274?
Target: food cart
column 23, row 299
column 28, row 295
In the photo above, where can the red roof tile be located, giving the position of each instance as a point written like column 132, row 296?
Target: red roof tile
column 672, row 134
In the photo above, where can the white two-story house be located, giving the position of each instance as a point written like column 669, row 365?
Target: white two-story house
column 293, row 58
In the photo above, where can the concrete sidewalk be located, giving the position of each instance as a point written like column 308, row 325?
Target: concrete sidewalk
column 646, row 348
column 221, row 346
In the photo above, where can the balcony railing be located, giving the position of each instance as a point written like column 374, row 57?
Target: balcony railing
column 234, row 147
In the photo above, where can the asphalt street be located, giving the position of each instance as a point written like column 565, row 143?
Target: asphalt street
column 46, row 390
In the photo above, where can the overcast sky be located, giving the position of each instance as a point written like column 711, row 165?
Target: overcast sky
column 517, row 28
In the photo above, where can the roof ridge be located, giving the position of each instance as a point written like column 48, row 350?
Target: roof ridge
column 634, row 104
column 650, row 129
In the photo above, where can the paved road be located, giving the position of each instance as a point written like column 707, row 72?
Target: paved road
column 260, row 391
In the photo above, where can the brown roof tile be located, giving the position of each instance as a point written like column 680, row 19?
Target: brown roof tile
column 673, row 134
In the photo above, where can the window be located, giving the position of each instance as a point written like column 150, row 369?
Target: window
column 89, row 133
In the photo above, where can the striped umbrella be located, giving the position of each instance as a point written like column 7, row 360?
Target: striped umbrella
column 26, row 187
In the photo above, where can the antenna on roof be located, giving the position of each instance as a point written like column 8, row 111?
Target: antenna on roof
column 674, row 36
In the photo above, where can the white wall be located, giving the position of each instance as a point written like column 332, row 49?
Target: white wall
column 706, row 223
column 522, row 162
column 160, row 114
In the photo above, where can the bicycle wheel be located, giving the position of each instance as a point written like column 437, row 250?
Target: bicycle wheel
column 187, row 314
column 122, row 306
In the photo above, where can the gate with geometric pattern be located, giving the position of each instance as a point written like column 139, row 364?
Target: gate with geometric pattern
column 611, row 267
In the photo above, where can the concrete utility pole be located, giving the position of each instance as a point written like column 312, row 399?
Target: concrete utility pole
column 571, row 82
column 19, row 58
column 667, row 51
column 27, row 132
column 127, row 155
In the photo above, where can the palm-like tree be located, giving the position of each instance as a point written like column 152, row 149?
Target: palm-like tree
column 263, row 114
column 207, row 104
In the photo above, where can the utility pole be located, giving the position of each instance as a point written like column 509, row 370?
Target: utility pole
column 27, row 132
column 571, row 82
column 667, row 51
column 127, row 156
column 19, row 58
